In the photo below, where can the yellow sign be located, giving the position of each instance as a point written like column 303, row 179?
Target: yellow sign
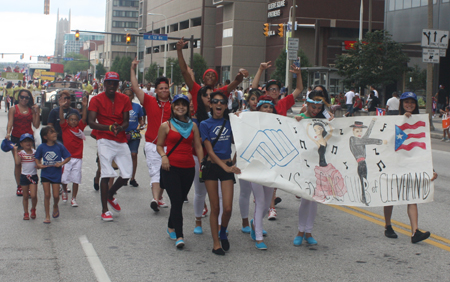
column 48, row 75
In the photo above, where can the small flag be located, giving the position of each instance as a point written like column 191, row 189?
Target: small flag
column 381, row 112
column 401, row 136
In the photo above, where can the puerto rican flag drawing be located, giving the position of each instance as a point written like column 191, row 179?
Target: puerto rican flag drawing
column 408, row 136
column 381, row 112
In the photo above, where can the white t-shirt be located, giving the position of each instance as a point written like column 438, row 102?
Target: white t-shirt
column 350, row 95
column 28, row 163
column 393, row 104
column 150, row 92
column 376, row 93
column 240, row 95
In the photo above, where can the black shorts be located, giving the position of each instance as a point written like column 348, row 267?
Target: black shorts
column 215, row 172
column 26, row 180
column 43, row 179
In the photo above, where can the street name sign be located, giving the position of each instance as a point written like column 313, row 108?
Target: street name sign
column 160, row 37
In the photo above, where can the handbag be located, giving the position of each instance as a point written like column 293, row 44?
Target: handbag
column 205, row 165
column 133, row 135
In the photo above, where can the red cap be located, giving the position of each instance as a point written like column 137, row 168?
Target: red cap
column 112, row 76
column 211, row 70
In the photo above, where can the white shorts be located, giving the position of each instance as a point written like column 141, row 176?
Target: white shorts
column 109, row 151
column 72, row 171
column 153, row 161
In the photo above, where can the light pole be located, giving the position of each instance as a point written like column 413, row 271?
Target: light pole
column 96, row 51
column 158, row 70
column 171, row 75
column 137, row 48
column 165, row 45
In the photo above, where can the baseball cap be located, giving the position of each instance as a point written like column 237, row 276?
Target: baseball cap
column 7, row 145
column 180, row 96
column 272, row 82
column 25, row 136
column 407, row 95
column 112, row 76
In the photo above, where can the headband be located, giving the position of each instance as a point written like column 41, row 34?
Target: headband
column 264, row 102
column 314, row 102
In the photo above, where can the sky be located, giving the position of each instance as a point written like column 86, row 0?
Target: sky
column 25, row 28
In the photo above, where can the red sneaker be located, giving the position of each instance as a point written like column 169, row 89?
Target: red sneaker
column 33, row 213
column 64, row 196
column 114, row 204
column 161, row 204
column 19, row 191
column 205, row 212
column 107, row 216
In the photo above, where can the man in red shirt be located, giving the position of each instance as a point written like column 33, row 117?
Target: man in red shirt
column 109, row 114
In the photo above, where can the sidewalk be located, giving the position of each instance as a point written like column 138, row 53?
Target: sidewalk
column 437, row 122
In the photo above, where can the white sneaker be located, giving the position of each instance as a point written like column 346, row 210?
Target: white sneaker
column 272, row 214
column 161, row 204
column 74, row 203
column 443, row 139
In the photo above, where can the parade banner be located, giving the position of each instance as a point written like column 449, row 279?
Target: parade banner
column 355, row 161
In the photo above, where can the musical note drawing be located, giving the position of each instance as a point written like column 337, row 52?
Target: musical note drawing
column 384, row 126
column 376, row 153
column 382, row 164
column 279, row 120
column 306, row 162
column 341, row 132
column 303, row 145
column 334, row 149
column 346, row 166
column 295, row 129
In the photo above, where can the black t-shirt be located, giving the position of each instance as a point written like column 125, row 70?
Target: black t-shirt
column 374, row 104
column 53, row 118
column 442, row 96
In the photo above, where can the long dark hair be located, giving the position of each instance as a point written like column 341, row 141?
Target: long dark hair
column 325, row 92
column 31, row 100
column 324, row 132
column 254, row 92
column 202, row 114
column 401, row 110
column 227, row 111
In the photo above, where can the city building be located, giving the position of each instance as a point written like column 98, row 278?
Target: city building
column 62, row 28
column 71, row 45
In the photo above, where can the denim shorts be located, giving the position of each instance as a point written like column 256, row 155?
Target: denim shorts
column 134, row 145
column 26, row 180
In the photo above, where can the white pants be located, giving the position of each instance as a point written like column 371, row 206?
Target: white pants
column 263, row 198
column 306, row 215
column 72, row 171
column 109, row 151
column 244, row 197
column 153, row 162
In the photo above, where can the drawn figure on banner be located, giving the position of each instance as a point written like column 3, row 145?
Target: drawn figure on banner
column 358, row 144
column 273, row 146
column 329, row 181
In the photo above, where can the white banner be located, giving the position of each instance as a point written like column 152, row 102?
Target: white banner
column 357, row 161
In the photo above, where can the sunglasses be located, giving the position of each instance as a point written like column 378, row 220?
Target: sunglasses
column 205, row 95
column 222, row 101
column 66, row 98
column 24, row 97
column 272, row 89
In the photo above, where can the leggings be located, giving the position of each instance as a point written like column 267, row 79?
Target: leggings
column 177, row 182
column 263, row 198
column 306, row 215
column 244, row 197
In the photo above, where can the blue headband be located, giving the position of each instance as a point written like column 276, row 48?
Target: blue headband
column 264, row 102
column 314, row 102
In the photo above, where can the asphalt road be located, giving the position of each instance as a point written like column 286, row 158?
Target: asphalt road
column 78, row 246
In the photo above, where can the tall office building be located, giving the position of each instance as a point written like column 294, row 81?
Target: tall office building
column 62, row 28
column 121, row 18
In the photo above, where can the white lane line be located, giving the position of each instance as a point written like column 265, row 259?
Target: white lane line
column 94, row 261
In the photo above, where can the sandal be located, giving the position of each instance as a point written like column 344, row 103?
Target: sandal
column 33, row 213
column 47, row 221
column 55, row 214
column 26, row 216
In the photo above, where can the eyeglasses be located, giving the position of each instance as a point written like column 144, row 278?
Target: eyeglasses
column 273, row 89
column 24, row 97
column 66, row 98
column 222, row 101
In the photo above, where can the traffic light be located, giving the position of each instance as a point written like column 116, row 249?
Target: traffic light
column 77, row 35
column 280, row 30
column 128, row 38
column 266, row 30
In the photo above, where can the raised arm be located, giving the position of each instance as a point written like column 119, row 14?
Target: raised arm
column 298, row 90
column 84, row 103
column 237, row 80
column 135, row 84
column 183, row 66
column 36, row 118
column 62, row 103
column 263, row 66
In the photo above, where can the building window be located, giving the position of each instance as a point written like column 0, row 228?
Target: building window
column 157, row 31
column 228, row 32
column 398, row 4
column 116, row 38
column 155, row 49
column 148, row 50
column 120, row 24
column 225, row 73
column 184, row 25
column 125, row 14
column 415, row 3
column 174, row 27
column 196, row 22
column 126, row 3
column 407, row 4
column 172, row 46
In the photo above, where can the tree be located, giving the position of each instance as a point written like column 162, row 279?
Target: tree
column 76, row 65
column 100, row 70
column 416, row 79
column 177, row 76
column 199, row 66
column 280, row 67
column 115, row 65
column 377, row 60
column 152, row 73
column 124, row 68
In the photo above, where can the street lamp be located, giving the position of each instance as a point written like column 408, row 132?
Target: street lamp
column 165, row 45
column 137, row 48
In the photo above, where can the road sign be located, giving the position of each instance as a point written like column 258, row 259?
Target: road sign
column 292, row 55
column 68, row 59
column 149, row 36
column 293, row 44
column 432, row 38
column 430, row 55
column 442, row 52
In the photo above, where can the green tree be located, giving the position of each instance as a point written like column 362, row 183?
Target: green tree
column 177, row 76
column 76, row 65
column 124, row 68
column 115, row 65
column 416, row 79
column 100, row 70
column 280, row 67
column 376, row 60
column 152, row 73
column 199, row 67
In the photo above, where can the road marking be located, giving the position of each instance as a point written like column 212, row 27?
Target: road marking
column 94, row 261
column 361, row 213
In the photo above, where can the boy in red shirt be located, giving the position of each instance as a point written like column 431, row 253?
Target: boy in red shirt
column 109, row 114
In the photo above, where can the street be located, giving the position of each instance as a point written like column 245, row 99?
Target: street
column 79, row 246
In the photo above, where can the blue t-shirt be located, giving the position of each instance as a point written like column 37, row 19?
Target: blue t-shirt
column 209, row 129
column 51, row 155
column 135, row 114
column 53, row 117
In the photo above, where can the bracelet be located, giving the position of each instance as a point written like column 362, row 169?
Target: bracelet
column 163, row 156
column 110, row 127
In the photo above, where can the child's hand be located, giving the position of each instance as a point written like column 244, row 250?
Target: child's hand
column 14, row 147
column 298, row 118
column 58, row 164
column 408, row 114
column 165, row 164
column 84, row 102
column 41, row 166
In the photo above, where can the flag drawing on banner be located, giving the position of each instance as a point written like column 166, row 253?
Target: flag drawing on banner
column 415, row 132
column 381, row 112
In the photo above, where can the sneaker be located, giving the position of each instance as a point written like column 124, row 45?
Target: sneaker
column 134, row 183
column 107, row 216
column 298, row 240
column 179, row 244
column 154, row 205
column 114, row 204
column 172, row 235
column 448, row 140
column 261, row 246
column 26, row 216
column 419, row 236
column 272, row 214
column 252, row 231
column 311, row 240
column 74, row 203
column 68, row 189
column 390, row 233
column 443, row 139
column 33, row 213
column 205, row 212
column 19, row 191
column 96, row 186
column 198, row 230
column 246, row 229
column 64, row 196
column 277, row 200
column 161, row 204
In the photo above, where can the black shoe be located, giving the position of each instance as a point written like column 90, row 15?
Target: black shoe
column 134, row 183
column 125, row 183
column 389, row 232
column 219, row 252
column 277, row 200
column 225, row 244
column 96, row 187
column 419, row 236
column 154, row 206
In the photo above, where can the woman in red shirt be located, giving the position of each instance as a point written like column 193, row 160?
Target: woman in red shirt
column 177, row 168
column 20, row 119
